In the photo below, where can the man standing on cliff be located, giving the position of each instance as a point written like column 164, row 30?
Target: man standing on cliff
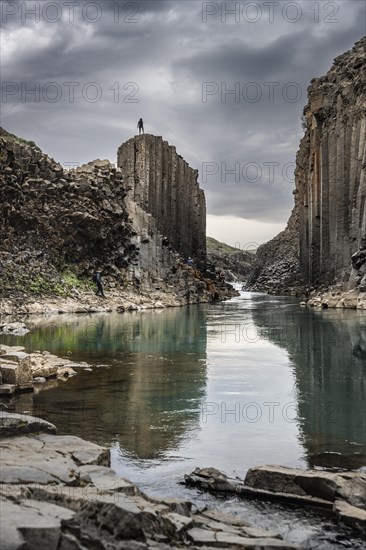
column 140, row 126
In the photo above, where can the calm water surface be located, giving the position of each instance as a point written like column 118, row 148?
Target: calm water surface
column 256, row 380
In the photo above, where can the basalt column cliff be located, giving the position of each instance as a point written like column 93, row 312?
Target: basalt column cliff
column 57, row 226
column 324, row 244
column 162, row 183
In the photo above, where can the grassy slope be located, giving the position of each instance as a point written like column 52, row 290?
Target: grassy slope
column 214, row 246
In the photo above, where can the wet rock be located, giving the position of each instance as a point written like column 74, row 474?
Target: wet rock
column 350, row 486
column 351, row 515
column 213, row 480
column 6, row 349
column 12, row 424
column 19, row 357
column 65, row 372
column 110, row 522
column 201, row 536
column 343, row 493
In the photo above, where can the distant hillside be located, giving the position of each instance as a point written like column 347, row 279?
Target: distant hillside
column 236, row 263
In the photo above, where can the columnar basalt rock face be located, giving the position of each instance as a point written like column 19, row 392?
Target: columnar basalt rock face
column 329, row 218
column 331, row 182
column 58, row 225
column 162, row 183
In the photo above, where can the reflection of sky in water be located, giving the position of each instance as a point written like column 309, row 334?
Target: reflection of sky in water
column 251, row 381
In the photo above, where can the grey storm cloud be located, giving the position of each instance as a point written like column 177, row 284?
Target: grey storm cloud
column 174, row 63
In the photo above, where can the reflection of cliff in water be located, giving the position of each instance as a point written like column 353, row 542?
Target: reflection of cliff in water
column 327, row 349
column 147, row 398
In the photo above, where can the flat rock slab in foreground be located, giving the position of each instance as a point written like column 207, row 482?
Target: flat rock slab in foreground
column 58, row 493
column 342, row 493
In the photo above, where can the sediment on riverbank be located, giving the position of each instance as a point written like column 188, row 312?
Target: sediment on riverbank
column 184, row 290
column 336, row 297
column 59, row 493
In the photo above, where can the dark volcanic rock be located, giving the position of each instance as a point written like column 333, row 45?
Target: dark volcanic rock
column 58, row 225
column 162, row 183
column 328, row 225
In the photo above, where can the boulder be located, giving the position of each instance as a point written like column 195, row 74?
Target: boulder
column 12, row 424
column 15, row 369
column 350, row 486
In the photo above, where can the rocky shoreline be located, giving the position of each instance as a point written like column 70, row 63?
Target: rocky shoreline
column 20, row 371
column 58, row 492
column 338, row 298
column 119, row 301
column 343, row 494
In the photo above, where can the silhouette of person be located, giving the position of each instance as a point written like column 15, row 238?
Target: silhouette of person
column 140, row 126
column 97, row 277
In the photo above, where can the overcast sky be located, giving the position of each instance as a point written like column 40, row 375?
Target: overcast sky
column 96, row 67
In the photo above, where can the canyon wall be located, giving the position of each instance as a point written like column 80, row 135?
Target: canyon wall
column 58, row 226
column 163, row 184
column 328, row 223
